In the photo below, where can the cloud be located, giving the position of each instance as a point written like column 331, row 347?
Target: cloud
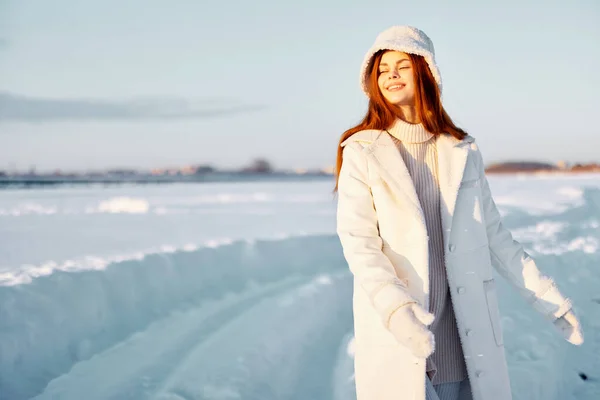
column 15, row 107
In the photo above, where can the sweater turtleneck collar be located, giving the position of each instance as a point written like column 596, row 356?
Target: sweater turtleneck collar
column 409, row 133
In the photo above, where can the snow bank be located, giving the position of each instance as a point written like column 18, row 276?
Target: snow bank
column 59, row 320
column 28, row 272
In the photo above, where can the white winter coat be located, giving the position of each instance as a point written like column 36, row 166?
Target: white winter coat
column 384, row 238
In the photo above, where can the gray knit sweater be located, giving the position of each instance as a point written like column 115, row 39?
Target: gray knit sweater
column 418, row 149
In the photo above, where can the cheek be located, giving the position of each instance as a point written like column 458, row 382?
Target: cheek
column 380, row 82
column 410, row 88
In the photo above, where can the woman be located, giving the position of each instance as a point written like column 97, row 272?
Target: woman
column 421, row 233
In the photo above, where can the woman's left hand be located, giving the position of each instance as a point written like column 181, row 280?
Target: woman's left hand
column 568, row 325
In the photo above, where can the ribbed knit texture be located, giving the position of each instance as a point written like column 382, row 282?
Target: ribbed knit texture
column 418, row 149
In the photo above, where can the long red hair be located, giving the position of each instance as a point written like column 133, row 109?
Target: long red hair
column 381, row 114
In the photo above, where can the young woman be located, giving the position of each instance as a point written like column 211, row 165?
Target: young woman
column 421, row 233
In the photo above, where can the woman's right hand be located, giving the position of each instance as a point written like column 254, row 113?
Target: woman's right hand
column 409, row 324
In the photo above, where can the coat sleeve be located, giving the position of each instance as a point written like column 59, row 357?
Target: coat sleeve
column 357, row 228
column 514, row 263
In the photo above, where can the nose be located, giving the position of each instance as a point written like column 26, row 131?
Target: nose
column 394, row 75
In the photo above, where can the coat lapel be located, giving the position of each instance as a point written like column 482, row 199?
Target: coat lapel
column 387, row 158
column 452, row 160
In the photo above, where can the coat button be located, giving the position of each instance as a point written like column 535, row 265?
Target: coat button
column 469, row 332
column 461, row 290
column 480, row 374
column 451, row 247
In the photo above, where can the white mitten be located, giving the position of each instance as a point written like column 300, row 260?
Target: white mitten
column 408, row 324
column 568, row 325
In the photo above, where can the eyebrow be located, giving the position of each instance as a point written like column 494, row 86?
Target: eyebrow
column 397, row 62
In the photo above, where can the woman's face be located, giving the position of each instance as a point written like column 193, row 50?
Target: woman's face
column 396, row 81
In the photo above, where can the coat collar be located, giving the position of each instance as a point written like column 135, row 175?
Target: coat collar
column 409, row 133
column 452, row 158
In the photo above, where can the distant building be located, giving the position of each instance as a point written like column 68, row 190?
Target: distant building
column 188, row 170
column 562, row 165
column 330, row 170
column 122, row 172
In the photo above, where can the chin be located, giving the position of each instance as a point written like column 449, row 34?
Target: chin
column 401, row 102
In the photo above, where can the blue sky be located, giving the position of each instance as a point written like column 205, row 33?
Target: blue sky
column 145, row 83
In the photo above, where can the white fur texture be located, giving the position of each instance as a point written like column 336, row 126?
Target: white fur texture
column 408, row 324
column 406, row 39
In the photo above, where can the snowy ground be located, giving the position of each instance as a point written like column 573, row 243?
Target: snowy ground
column 240, row 291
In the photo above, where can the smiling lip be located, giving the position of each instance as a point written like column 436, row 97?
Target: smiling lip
column 395, row 87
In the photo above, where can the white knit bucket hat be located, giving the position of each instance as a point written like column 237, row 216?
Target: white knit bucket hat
column 406, row 39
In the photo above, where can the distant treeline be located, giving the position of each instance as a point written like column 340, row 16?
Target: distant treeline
column 533, row 167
